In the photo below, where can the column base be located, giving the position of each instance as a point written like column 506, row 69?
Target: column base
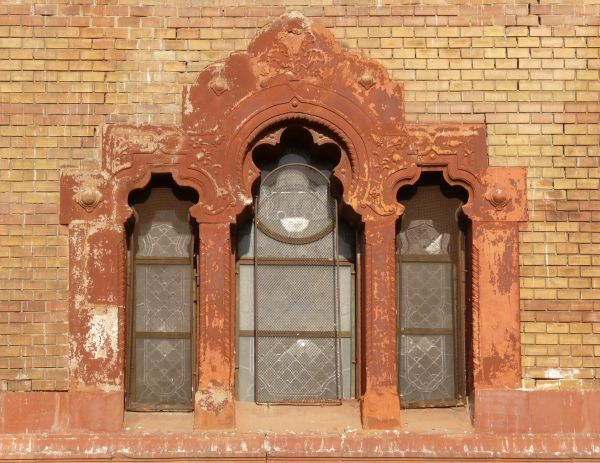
column 215, row 409
column 380, row 409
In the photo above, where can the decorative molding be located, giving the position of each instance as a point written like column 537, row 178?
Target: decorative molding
column 366, row 81
column 497, row 197
column 475, row 272
column 219, row 85
column 88, row 198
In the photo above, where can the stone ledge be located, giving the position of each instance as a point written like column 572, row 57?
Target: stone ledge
column 351, row 446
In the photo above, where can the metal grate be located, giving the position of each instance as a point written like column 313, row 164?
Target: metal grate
column 429, row 320
column 297, row 315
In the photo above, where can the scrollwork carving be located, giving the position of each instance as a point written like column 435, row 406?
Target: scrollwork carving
column 386, row 159
column 123, row 142
column 441, row 140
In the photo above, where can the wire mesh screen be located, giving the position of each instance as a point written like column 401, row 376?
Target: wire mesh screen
column 428, row 244
column 297, row 350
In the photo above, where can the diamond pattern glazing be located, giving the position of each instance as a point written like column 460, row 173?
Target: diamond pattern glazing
column 163, row 298
column 426, row 367
column 163, row 375
column 297, row 368
column 167, row 236
column 426, row 295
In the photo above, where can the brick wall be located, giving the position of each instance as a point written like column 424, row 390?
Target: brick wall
column 529, row 70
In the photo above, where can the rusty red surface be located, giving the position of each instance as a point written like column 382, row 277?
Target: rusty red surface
column 293, row 72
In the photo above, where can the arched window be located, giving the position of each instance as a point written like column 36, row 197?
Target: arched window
column 431, row 295
column 161, row 316
column 296, row 300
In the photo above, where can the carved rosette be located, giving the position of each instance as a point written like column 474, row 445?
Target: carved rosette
column 88, row 197
column 497, row 197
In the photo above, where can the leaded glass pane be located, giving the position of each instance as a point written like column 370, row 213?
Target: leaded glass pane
column 346, row 354
column 346, row 296
column 163, row 295
column 246, row 369
column 163, row 375
column 296, row 369
column 426, row 367
column 163, row 284
column 167, row 235
column 426, row 295
column 294, row 205
column 246, row 297
column 421, row 238
column 429, row 243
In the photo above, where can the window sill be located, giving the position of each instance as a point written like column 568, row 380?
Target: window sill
column 319, row 419
column 298, row 418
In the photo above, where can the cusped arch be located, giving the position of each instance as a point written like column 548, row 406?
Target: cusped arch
column 352, row 170
column 451, row 175
column 125, row 185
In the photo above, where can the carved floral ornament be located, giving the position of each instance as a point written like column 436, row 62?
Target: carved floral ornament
column 295, row 71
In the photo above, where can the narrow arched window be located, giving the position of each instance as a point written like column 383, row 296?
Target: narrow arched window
column 296, row 300
column 431, row 321
column 162, row 299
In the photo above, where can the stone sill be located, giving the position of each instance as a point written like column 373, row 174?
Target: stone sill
column 326, row 419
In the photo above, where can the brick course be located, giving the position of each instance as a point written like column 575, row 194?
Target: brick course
column 529, row 71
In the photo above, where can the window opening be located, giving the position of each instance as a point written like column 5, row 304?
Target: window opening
column 430, row 279
column 296, row 319
column 161, row 347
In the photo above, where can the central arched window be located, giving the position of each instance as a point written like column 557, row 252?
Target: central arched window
column 296, row 300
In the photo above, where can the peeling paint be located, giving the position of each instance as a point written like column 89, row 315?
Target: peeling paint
column 102, row 334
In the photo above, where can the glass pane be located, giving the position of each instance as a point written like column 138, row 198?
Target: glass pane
column 297, row 369
column 421, row 238
column 426, row 367
column 426, row 295
column 246, row 369
column 320, row 249
column 163, row 295
column 346, row 296
column 163, row 371
column 246, row 297
column 295, row 297
column 294, row 205
column 346, row 353
column 166, row 235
